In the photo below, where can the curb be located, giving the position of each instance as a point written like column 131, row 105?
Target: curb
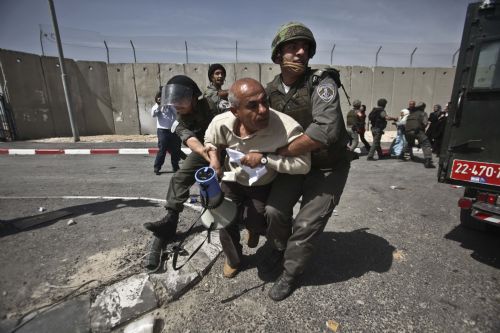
column 97, row 151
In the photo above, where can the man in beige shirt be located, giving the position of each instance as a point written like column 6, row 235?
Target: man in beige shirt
column 256, row 131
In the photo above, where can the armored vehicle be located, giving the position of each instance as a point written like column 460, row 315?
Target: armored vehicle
column 470, row 154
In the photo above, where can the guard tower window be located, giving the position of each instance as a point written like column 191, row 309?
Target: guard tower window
column 487, row 75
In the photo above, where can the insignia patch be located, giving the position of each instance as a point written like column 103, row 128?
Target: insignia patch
column 326, row 91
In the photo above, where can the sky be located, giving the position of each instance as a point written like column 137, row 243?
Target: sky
column 348, row 32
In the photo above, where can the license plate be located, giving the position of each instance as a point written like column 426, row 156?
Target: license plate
column 476, row 172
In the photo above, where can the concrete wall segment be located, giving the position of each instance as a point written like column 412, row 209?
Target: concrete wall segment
column 442, row 86
column 361, row 85
column 27, row 94
column 147, row 82
column 243, row 70
column 199, row 73
column 423, row 86
column 383, row 85
column 268, row 72
column 55, row 92
column 403, row 85
column 123, row 98
column 167, row 71
column 94, row 90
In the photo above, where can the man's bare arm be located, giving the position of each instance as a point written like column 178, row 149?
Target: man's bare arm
column 197, row 147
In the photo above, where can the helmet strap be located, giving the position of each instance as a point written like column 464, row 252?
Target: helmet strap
column 294, row 67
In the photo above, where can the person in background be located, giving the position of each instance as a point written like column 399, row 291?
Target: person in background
column 214, row 92
column 352, row 123
column 378, row 118
column 167, row 141
column 430, row 132
column 415, row 129
column 255, row 130
column 399, row 143
column 439, row 130
column 361, row 114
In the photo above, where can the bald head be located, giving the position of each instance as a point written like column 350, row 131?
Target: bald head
column 241, row 88
column 249, row 104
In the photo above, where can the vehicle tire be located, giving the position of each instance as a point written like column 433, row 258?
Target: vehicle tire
column 467, row 221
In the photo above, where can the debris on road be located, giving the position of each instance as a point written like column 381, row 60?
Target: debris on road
column 399, row 255
column 379, row 209
column 332, row 325
column 42, row 209
column 71, row 222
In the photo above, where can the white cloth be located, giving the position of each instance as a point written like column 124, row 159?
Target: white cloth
column 165, row 116
column 253, row 174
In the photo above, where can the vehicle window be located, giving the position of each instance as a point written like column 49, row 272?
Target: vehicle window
column 488, row 67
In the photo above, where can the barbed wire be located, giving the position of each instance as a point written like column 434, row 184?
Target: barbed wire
column 90, row 45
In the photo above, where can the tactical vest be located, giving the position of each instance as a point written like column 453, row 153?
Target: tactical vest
column 351, row 119
column 376, row 120
column 414, row 122
column 297, row 104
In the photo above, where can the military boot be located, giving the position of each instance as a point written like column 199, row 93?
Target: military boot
column 283, row 287
column 428, row 163
column 166, row 227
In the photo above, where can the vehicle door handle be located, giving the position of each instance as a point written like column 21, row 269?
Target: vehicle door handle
column 470, row 146
column 458, row 113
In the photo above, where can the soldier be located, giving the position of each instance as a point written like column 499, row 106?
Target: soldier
column 362, row 126
column 193, row 117
column 353, row 124
column 378, row 118
column 311, row 98
column 214, row 92
column 415, row 129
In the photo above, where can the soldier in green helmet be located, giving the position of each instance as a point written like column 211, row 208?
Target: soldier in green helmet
column 311, row 98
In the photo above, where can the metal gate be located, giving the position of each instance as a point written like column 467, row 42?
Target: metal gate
column 7, row 131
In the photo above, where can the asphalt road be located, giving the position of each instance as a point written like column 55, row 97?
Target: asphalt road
column 391, row 260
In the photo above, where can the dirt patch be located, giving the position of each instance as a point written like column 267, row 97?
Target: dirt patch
column 98, row 270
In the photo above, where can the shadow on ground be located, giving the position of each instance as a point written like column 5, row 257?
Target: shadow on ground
column 485, row 245
column 341, row 256
column 14, row 226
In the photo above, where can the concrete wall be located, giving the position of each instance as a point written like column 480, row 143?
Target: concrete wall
column 92, row 77
column 57, row 100
column 147, row 82
column 27, row 94
column 123, row 98
column 117, row 98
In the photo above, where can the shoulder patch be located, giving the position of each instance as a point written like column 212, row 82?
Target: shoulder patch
column 326, row 91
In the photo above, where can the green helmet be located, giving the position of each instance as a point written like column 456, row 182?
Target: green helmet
column 291, row 31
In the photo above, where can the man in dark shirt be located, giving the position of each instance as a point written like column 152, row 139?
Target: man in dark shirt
column 378, row 118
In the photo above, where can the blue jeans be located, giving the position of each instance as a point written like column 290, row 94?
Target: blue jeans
column 167, row 141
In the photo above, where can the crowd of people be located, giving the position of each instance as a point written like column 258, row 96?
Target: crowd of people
column 412, row 124
column 294, row 129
